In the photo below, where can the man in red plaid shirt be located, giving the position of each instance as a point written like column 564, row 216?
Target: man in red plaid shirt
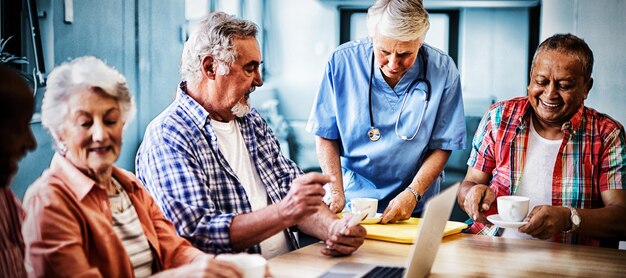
column 570, row 160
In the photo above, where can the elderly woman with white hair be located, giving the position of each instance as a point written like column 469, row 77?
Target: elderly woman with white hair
column 86, row 217
column 388, row 113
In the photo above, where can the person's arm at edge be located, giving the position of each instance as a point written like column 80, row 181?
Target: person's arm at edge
column 328, row 156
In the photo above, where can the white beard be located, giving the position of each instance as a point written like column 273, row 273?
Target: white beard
column 240, row 109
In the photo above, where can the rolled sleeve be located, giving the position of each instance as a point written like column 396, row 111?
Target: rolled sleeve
column 613, row 169
column 323, row 118
column 449, row 131
column 481, row 156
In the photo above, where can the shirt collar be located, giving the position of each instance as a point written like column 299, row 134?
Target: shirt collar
column 79, row 183
column 194, row 110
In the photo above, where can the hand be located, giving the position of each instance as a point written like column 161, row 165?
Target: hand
column 477, row 201
column 343, row 240
column 400, row 208
column 337, row 201
column 304, row 197
column 546, row 221
column 204, row 266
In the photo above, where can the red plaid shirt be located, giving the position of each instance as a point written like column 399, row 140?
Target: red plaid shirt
column 591, row 158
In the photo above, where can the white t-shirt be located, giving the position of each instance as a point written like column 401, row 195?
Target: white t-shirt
column 536, row 181
column 231, row 144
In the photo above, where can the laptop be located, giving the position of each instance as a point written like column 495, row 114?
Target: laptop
column 423, row 251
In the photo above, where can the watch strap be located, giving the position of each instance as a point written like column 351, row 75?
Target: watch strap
column 575, row 223
column 418, row 197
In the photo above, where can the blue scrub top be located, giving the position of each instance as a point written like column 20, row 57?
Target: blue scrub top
column 384, row 168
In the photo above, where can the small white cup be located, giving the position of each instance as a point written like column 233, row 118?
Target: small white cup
column 252, row 265
column 358, row 204
column 513, row 208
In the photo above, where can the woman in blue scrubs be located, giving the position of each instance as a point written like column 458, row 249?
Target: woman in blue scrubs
column 388, row 113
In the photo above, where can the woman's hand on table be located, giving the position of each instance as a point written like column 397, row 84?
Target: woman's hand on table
column 400, row 208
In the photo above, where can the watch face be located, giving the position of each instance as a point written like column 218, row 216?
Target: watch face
column 576, row 220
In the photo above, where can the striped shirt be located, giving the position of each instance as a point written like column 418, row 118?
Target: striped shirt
column 128, row 229
column 591, row 158
column 11, row 242
column 180, row 163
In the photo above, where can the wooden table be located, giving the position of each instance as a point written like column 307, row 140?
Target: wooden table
column 469, row 255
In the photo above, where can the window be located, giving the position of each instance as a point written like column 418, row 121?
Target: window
column 253, row 10
column 443, row 32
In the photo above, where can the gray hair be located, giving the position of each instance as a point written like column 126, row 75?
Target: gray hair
column 82, row 73
column 214, row 36
column 570, row 45
column 403, row 20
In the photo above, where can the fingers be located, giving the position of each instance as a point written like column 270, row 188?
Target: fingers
column 314, row 178
column 344, row 244
column 218, row 268
column 545, row 221
column 337, row 202
column 488, row 197
column 387, row 216
column 478, row 200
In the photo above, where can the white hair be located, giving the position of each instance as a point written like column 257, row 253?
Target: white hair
column 214, row 36
column 83, row 72
column 403, row 20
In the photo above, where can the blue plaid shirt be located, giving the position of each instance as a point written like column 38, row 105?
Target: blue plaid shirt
column 181, row 165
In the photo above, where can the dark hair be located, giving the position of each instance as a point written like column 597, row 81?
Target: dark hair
column 571, row 45
column 15, row 94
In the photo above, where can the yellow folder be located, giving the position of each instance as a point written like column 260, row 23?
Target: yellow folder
column 405, row 231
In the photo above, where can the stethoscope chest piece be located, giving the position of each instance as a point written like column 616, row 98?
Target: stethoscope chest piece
column 373, row 134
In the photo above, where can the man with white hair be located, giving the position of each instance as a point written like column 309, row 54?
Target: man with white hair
column 215, row 167
column 386, row 132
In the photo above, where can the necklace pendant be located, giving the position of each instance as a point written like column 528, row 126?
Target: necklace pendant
column 373, row 134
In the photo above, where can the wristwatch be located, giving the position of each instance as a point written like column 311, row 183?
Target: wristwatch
column 418, row 197
column 574, row 219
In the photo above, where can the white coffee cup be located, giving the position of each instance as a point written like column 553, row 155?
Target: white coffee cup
column 359, row 204
column 252, row 265
column 513, row 208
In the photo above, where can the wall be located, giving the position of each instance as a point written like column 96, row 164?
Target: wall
column 494, row 53
column 140, row 38
column 601, row 24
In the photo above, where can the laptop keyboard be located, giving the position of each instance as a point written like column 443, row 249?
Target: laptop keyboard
column 385, row 271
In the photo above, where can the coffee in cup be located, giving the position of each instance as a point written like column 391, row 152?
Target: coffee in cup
column 513, row 208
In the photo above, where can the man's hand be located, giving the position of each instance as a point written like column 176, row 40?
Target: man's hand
column 337, row 201
column 478, row 200
column 343, row 240
column 546, row 221
column 400, row 208
column 304, row 197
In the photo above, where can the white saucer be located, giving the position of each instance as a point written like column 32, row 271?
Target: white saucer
column 495, row 219
column 373, row 220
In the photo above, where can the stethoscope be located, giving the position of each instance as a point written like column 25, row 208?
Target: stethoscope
column 374, row 133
